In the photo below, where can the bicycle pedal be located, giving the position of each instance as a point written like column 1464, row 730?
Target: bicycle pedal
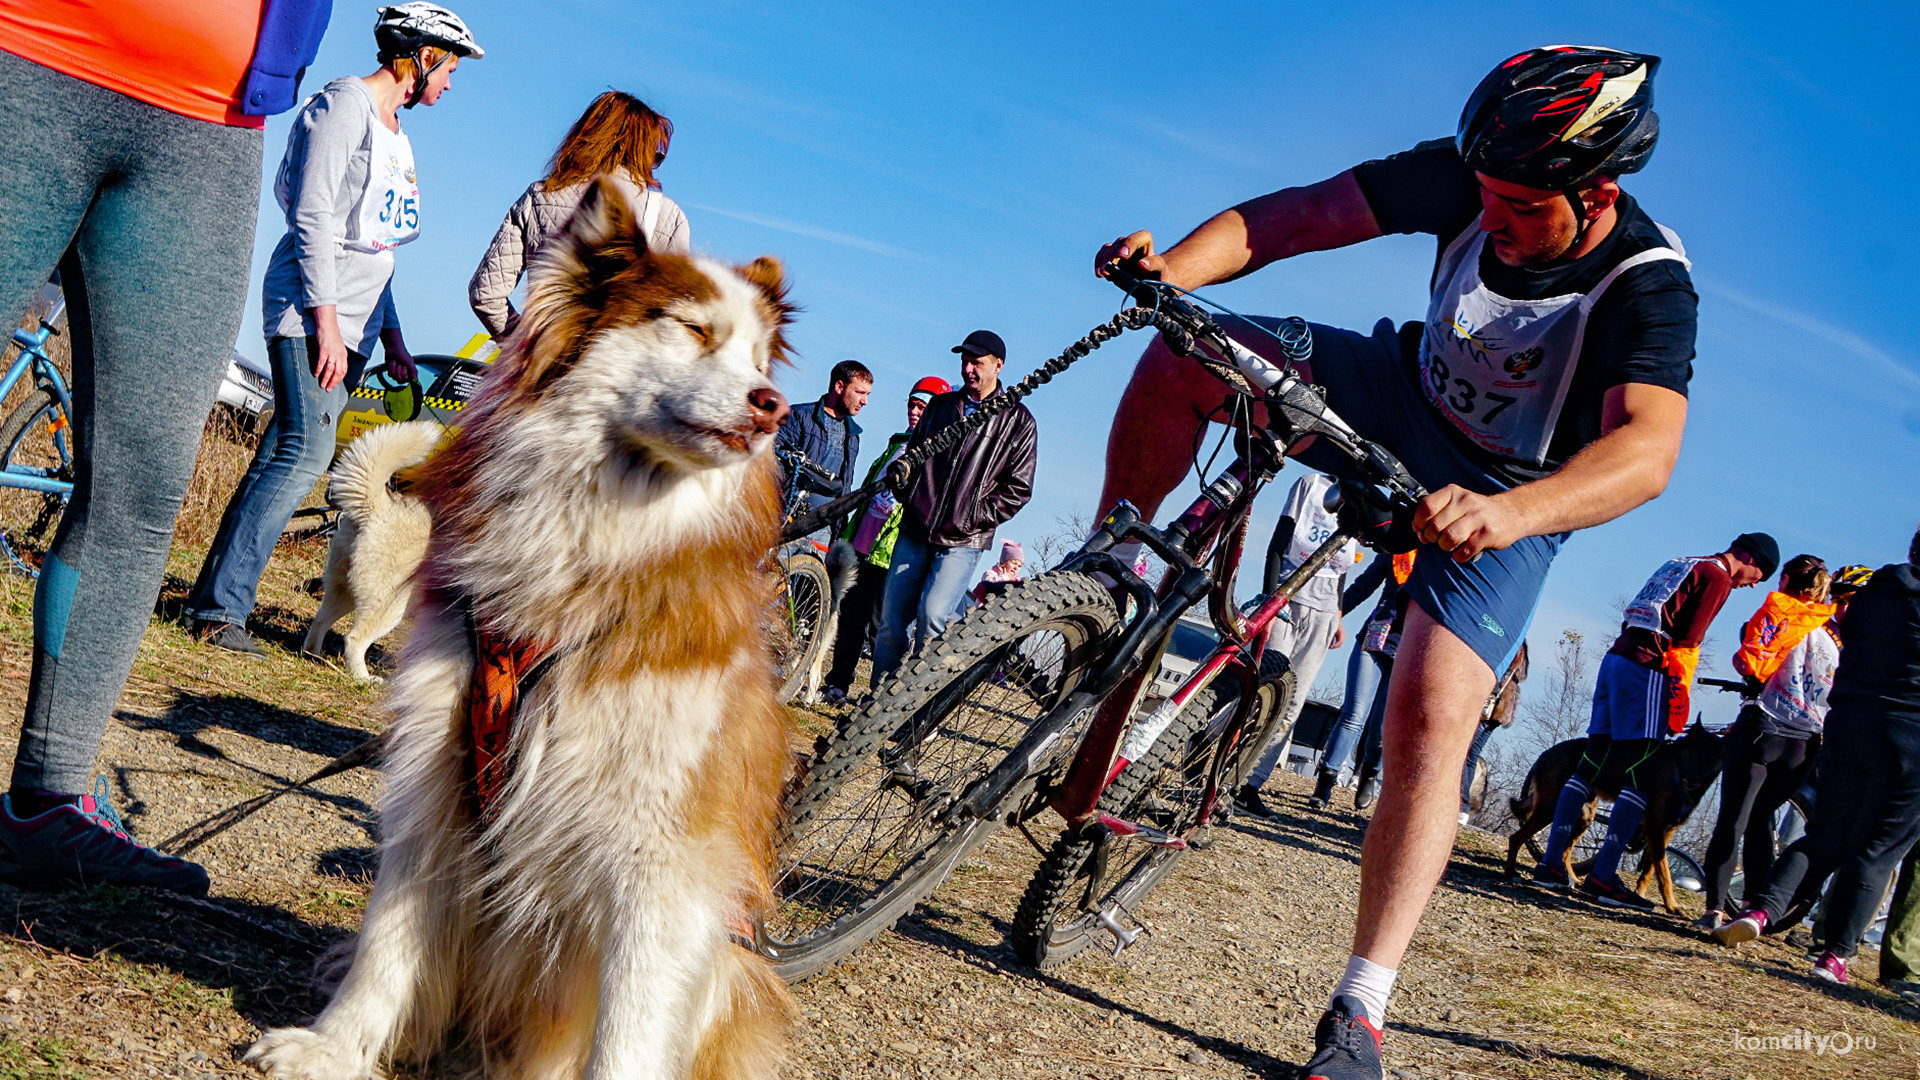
column 1122, row 937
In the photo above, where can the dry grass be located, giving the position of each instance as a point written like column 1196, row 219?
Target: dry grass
column 226, row 449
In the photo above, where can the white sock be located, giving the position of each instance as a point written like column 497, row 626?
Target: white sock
column 1370, row 984
column 1128, row 553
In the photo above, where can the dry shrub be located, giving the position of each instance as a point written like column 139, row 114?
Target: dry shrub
column 226, row 449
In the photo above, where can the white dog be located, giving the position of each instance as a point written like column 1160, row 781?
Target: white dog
column 378, row 541
column 579, row 819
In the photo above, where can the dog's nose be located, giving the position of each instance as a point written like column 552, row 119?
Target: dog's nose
column 769, row 408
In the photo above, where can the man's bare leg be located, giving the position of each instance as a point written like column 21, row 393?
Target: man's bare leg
column 1150, row 448
column 1433, row 703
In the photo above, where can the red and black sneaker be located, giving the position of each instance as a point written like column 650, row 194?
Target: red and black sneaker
column 1347, row 1045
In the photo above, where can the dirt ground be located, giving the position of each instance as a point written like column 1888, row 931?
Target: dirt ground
column 1503, row 981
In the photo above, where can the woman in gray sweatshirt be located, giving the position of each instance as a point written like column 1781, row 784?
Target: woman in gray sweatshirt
column 348, row 187
column 618, row 136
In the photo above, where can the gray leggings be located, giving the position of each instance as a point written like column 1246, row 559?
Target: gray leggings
column 150, row 217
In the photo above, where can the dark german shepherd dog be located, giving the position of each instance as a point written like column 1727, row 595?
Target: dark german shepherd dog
column 1682, row 772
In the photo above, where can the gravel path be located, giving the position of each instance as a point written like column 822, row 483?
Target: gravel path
column 1503, row 981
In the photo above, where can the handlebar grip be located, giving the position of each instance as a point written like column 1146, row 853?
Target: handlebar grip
column 1129, row 277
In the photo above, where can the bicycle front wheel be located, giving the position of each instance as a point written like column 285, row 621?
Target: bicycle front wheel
column 36, row 440
column 1093, row 871
column 868, row 835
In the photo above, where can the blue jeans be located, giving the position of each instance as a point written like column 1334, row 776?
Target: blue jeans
column 1366, row 678
column 925, row 580
column 296, row 449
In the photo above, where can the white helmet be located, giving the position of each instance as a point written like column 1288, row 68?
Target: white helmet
column 404, row 29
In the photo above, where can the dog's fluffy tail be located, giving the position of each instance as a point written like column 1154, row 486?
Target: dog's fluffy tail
column 360, row 477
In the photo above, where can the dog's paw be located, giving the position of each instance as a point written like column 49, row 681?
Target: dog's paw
column 301, row 1054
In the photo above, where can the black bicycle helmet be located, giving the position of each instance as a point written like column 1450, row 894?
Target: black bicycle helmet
column 1558, row 116
column 405, row 29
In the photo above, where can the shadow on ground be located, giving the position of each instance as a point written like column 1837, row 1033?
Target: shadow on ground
column 924, row 927
column 263, row 954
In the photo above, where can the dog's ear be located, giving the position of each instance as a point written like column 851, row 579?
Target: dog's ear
column 603, row 233
column 766, row 274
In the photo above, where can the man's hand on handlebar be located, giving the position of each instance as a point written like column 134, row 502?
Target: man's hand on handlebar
column 1139, row 244
column 1466, row 524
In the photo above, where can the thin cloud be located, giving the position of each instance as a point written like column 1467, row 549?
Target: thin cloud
column 1833, row 335
column 801, row 228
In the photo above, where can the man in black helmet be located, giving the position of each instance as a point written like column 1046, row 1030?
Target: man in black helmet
column 1545, row 391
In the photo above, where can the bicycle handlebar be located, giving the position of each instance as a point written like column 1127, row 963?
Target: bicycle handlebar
column 1295, row 407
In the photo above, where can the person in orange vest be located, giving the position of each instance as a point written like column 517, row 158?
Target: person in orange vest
column 1641, row 697
column 1788, row 654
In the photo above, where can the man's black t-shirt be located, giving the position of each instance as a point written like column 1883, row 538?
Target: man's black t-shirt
column 1642, row 329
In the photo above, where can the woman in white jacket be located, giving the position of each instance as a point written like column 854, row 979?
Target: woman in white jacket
column 618, row 136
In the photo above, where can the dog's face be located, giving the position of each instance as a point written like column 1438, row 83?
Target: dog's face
column 668, row 359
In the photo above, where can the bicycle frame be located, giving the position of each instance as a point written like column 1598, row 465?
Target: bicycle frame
column 33, row 356
column 1220, row 513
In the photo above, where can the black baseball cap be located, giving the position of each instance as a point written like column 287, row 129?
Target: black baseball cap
column 1763, row 548
column 983, row 343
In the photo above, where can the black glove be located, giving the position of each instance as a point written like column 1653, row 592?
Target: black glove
column 1370, row 515
column 899, row 474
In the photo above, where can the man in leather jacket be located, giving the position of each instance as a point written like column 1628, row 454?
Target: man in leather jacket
column 954, row 503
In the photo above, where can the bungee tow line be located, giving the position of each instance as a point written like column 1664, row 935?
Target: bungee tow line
column 900, row 472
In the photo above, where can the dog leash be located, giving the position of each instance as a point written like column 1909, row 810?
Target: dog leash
column 897, row 475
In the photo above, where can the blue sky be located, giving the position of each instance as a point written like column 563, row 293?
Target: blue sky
column 924, row 172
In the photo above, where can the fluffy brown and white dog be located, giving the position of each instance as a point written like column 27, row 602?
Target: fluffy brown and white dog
column 378, row 541
column 566, row 906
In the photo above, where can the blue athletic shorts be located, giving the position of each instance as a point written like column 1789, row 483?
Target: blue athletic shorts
column 1374, row 385
column 1629, row 701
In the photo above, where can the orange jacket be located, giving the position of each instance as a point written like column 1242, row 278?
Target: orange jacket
column 1774, row 630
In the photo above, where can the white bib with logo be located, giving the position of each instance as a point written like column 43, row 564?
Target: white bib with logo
column 389, row 210
column 387, row 214
column 1499, row 369
column 1647, row 608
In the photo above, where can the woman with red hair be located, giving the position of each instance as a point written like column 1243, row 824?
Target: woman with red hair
column 619, row 136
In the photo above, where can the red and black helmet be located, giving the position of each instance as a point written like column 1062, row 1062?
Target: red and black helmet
column 926, row 389
column 1558, row 116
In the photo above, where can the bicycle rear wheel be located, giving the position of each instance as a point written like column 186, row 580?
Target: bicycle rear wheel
column 867, row 835
column 800, row 609
column 35, row 440
column 1093, row 871
column 1276, row 690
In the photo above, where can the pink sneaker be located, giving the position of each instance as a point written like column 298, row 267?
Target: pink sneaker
column 1831, row 967
column 1746, row 928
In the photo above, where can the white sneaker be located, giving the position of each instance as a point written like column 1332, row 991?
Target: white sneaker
column 1465, row 816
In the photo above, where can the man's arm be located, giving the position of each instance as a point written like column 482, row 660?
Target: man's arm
column 1276, row 567
column 1233, row 243
column 1627, row 466
column 1008, row 493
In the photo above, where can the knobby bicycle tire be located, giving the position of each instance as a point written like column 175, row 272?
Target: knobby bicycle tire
column 802, row 606
column 1161, row 789
column 36, row 436
column 1039, row 937
column 865, row 837
column 1276, row 689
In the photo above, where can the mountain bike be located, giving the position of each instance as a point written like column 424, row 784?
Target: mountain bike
column 37, row 441
column 803, row 593
column 1025, row 703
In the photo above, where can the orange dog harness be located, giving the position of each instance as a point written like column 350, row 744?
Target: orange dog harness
column 504, row 672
